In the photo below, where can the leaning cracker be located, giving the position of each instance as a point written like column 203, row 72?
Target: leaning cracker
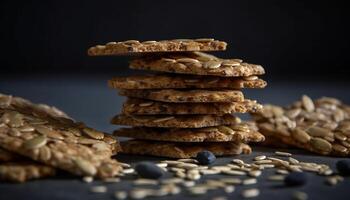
column 234, row 133
column 178, row 121
column 23, row 171
column 197, row 63
column 135, row 47
column 182, row 150
column 28, row 107
column 181, row 96
column 135, row 106
column 51, row 138
column 173, row 81
column 321, row 126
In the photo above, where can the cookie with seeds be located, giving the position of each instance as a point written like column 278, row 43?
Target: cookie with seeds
column 20, row 171
column 197, row 63
column 181, row 96
column 321, row 126
column 135, row 106
column 135, row 47
column 174, row 81
column 28, row 107
column 177, row 121
column 182, row 150
column 46, row 136
column 234, row 133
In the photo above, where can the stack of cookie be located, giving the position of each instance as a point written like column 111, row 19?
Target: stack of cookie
column 187, row 106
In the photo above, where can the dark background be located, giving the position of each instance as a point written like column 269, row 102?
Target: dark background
column 295, row 38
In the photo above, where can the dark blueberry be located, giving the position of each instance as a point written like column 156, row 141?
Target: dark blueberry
column 205, row 157
column 343, row 167
column 148, row 170
column 295, row 178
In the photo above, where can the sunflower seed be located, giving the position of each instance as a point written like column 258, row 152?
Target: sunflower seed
column 300, row 135
column 280, row 153
column 111, row 180
column 128, row 171
column 131, row 42
column 120, row 195
column 233, row 181
column 234, row 172
column 299, row 195
column 238, row 161
column 168, row 60
column 212, row 64
column 318, row 131
column 163, row 119
column 15, row 119
column 293, row 161
column 187, row 60
column 85, row 166
column 35, row 143
column 226, row 130
column 250, row 193
column 321, row 144
column 255, row 173
column 145, row 182
column 88, row 179
column 262, row 157
column 162, row 164
column 249, row 181
column 146, row 104
column 308, row 103
column 276, row 178
column 149, row 42
column 98, row 189
column 282, row 171
column 250, row 78
column 229, row 189
column 45, row 153
column 230, row 63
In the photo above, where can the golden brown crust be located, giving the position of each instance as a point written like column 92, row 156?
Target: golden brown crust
column 181, row 96
column 169, row 81
column 20, row 172
column 197, row 63
column 134, row 47
column 182, row 150
column 178, row 121
column 233, row 133
column 134, row 106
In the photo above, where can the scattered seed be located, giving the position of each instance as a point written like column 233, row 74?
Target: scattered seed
column 250, row 193
column 293, row 161
column 229, row 189
column 120, row 195
column 88, row 179
column 280, row 153
column 98, row 189
column 254, row 173
column 111, row 180
column 276, row 178
column 249, row 181
column 128, row 171
column 299, row 195
column 262, row 157
column 145, row 182
column 234, row 172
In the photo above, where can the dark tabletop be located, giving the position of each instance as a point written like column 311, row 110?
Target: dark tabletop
column 87, row 98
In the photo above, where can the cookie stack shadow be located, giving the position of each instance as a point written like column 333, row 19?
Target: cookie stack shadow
column 188, row 104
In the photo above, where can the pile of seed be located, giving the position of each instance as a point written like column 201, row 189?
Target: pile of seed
column 188, row 177
column 321, row 126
